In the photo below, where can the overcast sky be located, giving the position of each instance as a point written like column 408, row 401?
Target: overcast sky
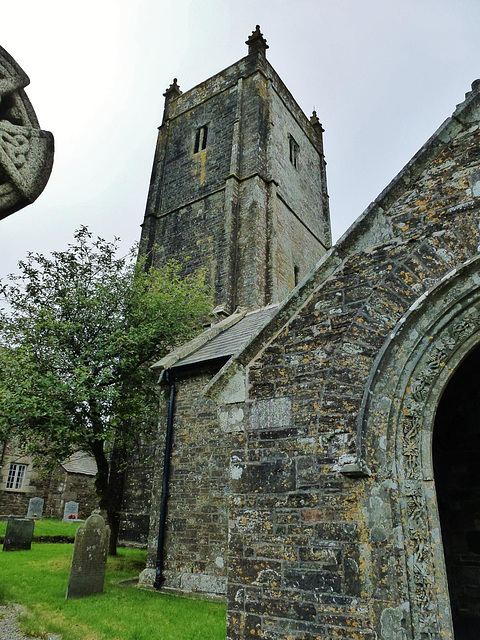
column 382, row 75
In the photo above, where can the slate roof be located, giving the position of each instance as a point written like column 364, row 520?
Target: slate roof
column 231, row 340
column 81, row 462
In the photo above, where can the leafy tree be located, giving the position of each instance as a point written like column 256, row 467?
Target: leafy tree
column 77, row 337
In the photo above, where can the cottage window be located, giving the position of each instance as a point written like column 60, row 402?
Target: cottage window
column 16, row 476
column 200, row 139
column 294, row 149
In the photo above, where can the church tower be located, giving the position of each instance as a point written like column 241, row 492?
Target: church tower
column 238, row 184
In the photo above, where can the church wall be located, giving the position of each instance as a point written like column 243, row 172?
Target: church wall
column 218, row 208
column 188, row 175
column 293, row 248
column 302, row 187
column 313, row 551
column 196, row 235
column 196, row 530
column 136, row 505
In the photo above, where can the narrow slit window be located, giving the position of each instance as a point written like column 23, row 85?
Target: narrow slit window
column 294, row 149
column 200, row 139
column 16, row 475
column 296, row 274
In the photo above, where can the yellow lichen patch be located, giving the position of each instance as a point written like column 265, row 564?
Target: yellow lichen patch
column 199, row 165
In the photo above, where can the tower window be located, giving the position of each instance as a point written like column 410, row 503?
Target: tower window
column 296, row 274
column 200, row 139
column 294, row 149
column 16, row 474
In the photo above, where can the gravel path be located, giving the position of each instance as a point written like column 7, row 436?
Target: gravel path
column 9, row 629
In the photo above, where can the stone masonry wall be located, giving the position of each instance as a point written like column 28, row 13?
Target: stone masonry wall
column 71, row 486
column 305, row 561
column 302, row 186
column 196, row 533
column 15, row 501
column 291, row 250
column 136, row 506
column 55, row 487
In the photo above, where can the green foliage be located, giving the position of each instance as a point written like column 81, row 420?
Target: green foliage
column 37, row 579
column 77, row 337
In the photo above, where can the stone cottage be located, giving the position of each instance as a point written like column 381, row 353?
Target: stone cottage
column 323, row 467
column 21, row 480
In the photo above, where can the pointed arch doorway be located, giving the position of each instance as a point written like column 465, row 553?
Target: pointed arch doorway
column 456, row 463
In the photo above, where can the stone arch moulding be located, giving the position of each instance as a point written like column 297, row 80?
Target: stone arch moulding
column 395, row 429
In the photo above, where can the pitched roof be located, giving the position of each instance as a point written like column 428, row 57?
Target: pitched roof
column 81, row 462
column 231, row 340
column 221, row 340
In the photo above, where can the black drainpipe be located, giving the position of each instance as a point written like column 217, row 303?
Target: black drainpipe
column 159, row 578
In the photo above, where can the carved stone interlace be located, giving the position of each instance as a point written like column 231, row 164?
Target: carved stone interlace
column 26, row 151
column 418, row 543
column 16, row 146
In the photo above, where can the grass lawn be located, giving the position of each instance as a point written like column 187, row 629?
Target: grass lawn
column 37, row 579
column 48, row 527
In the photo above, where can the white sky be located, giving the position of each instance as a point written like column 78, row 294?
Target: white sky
column 382, row 75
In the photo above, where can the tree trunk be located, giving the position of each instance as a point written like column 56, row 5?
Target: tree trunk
column 116, row 483
column 103, row 490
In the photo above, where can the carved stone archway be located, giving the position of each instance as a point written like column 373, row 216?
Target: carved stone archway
column 395, row 437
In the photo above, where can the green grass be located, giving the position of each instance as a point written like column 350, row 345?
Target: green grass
column 48, row 527
column 37, row 579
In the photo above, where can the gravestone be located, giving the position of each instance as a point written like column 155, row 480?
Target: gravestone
column 71, row 511
column 89, row 560
column 19, row 534
column 35, row 508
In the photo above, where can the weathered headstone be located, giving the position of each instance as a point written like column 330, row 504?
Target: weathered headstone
column 89, row 560
column 71, row 511
column 35, row 508
column 19, row 534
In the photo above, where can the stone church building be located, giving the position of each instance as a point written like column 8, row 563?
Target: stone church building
column 324, row 432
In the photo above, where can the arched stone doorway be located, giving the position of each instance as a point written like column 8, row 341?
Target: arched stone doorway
column 409, row 386
column 456, row 457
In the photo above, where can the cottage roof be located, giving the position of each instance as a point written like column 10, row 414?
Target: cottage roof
column 81, row 462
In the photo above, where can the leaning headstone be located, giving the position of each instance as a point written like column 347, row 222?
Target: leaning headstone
column 89, row 560
column 35, row 508
column 19, row 534
column 71, row 511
